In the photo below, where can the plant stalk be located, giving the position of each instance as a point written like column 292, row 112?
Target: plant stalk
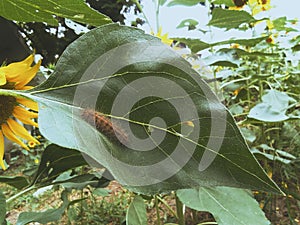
column 157, row 210
column 180, row 213
column 19, row 194
column 168, row 207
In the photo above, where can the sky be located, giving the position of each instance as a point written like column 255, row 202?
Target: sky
column 170, row 18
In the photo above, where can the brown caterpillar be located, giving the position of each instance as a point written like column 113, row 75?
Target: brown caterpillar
column 104, row 125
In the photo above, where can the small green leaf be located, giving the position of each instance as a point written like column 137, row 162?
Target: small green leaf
column 273, row 107
column 81, row 181
column 101, row 192
column 189, row 23
column 248, row 134
column 227, row 205
column 184, row 2
column 17, row 181
column 280, row 24
column 228, row 3
column 47, row 216
column 240, row 52
column 136, row 213
column 269, row 156
column 44, row 11
column 162, row 2
column 2, row 207
column 228, row 59
column 196, row 45
column 229, row 19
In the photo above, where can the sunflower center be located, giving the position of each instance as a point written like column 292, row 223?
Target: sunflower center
column 7, row 104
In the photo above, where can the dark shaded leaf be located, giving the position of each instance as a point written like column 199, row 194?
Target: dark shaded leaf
column 81, row 181
column 56, row 160
column 17, row 181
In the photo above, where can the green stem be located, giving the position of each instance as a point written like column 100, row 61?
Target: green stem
column 208, row 223
column 138, row 5
column 168, row 207
column 215, row 82
column 157, row 14
column 248, row 95
column 157, row 210
column 20, row 193
column 194, row 214
column 13, row 93
column 180, row 214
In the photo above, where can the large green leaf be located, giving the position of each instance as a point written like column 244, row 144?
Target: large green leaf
column 44, row 11
column 136, row 213
column 196, row 45
column 177, row 134
column 2, row 207
column 229, row 19
column 228, row 205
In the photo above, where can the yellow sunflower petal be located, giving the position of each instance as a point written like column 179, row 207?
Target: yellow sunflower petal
column 2, row 151
column 28, row 103
column 20, row 131
column 14, row 70
column 164, row 38
column 26, row 113
column 2, row 77
column 26, row 88
column 11, row 136
column 23, row 118
column 28, row 76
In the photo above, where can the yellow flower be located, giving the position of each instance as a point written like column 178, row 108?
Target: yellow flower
column 270, row 25
column 32, row 144
column 16, row 76
column 270, row 40
column 164, row 38
column 36, row 161
column 238, row 4
column 258, row 6
column 234, row 46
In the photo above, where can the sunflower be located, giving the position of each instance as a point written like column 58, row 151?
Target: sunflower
column 16, row 76
column 163, row 37
column 258, row 6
